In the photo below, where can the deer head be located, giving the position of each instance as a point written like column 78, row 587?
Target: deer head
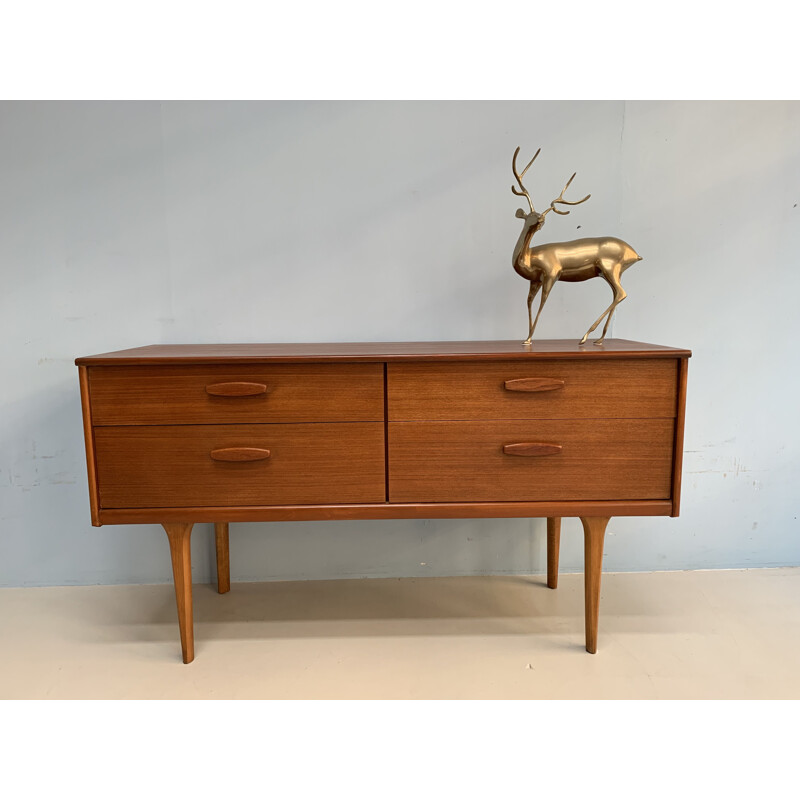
column 534, row 219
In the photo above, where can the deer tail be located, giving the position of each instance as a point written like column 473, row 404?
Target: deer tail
column 631, row 256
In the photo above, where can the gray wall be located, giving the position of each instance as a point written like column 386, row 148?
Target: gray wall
column 124, row 224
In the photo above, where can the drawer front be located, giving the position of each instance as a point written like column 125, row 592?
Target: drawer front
column 635, row 388
column 438, row 462
column 231, row 465
column 255, row 393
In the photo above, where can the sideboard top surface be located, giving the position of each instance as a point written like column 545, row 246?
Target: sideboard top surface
column 379, row 351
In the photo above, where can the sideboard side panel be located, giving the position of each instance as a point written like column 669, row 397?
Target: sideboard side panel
column 88, row 435
column 680, row 419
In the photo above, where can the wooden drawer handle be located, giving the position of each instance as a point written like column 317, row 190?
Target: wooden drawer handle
column 236, row 389
column 531, row 449
column 240, row 454
column 534, row 385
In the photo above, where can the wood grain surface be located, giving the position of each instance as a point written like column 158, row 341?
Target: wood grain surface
column 344, row 511
column 222, row 547
column 154, row 465
column 380, row 351
column 236, row 389
column 88, row 440
column 239, row 454
column 534, row 385
column 680, row 423
column 179, row 536
column 607, row 389
column 433, row 462
column 222, row 433
column 553, row 547
column 594, row 531
column 531, row 449
column 133, row 395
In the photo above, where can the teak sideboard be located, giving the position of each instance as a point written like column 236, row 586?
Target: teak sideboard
column 179, row 434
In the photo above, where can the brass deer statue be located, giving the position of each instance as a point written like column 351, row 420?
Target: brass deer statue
column 573, row 261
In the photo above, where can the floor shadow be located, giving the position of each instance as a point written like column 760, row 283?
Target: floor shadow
column 461, row 606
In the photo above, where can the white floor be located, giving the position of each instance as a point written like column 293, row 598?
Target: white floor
column 706, row 634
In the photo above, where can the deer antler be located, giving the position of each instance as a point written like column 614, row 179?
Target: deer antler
column 560, row 199
column 524, row 192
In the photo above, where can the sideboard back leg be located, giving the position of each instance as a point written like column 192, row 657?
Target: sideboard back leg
column 594, row 531
column 179, row 535
column 223, row 557
column 553, row 543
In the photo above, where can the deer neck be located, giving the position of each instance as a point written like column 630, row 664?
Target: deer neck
column 521, row 259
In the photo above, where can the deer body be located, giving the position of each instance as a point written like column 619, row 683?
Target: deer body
column 578, row 260
column 574, row 261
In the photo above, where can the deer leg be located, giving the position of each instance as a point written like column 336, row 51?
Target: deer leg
column 611, row 276
column 547, row 284
column 535, row 286
column 619, row 296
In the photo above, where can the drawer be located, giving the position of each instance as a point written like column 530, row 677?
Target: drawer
column 157, row 466
column 585, row 459
column 618, row 388
column 140, row 395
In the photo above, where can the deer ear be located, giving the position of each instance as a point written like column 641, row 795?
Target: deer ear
column 520, row 213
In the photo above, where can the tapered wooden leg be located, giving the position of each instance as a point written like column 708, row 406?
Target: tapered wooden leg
column 553, row 543
column 179, row 535
column 594, row 531
column 223, row 557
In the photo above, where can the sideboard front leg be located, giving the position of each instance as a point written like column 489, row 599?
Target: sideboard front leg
column 179, row 535
column 594, row 530
column 553, row 543
column 223, row 557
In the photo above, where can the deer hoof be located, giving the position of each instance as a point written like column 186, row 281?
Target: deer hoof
column 599, row 341
column 583, row 341
column 527, row 342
